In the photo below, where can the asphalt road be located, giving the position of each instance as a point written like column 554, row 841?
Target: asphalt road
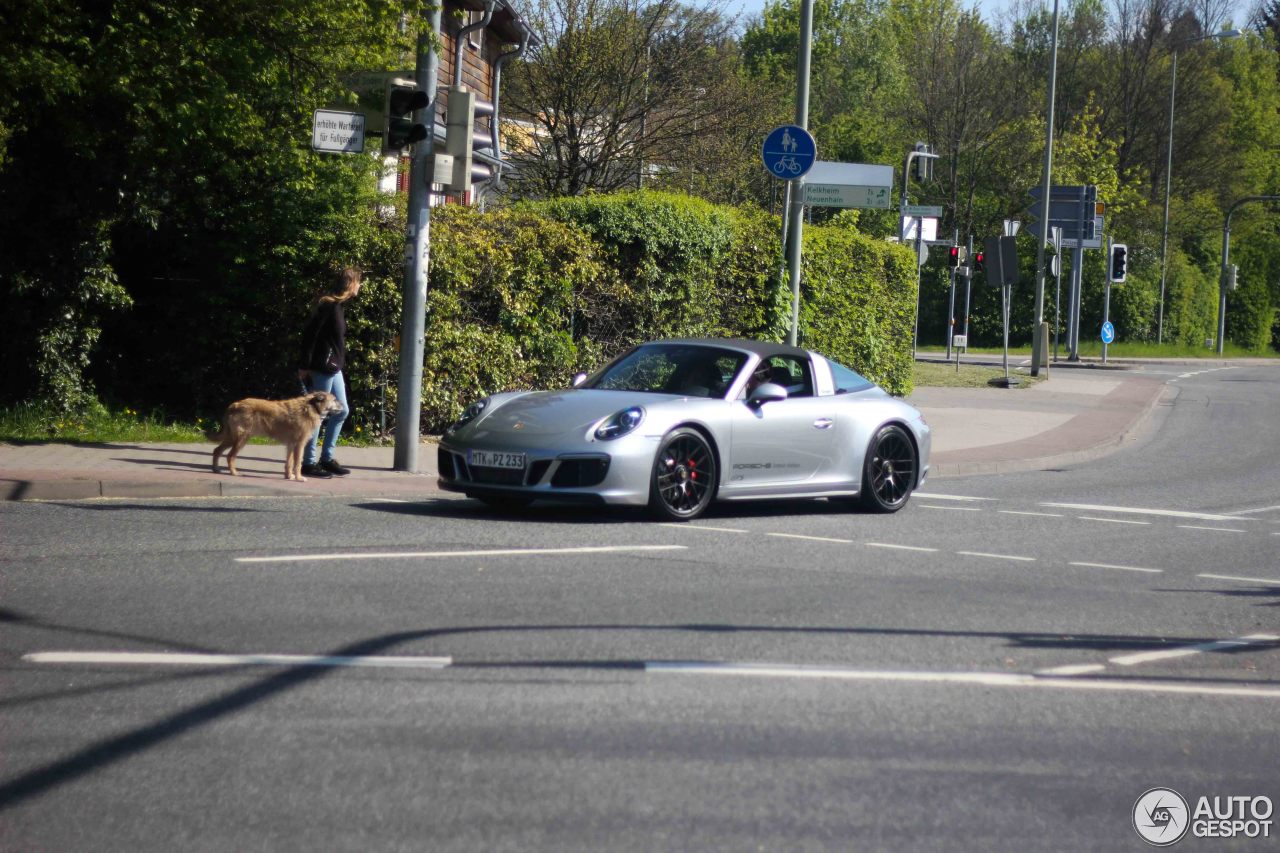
column 1007, row 664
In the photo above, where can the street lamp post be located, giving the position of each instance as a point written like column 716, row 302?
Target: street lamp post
column 921, row 150
column 1168, row 169
column 1226, row 257
column 1040, row 341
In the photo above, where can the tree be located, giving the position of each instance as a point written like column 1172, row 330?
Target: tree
column 156, row 152
column 617, row 90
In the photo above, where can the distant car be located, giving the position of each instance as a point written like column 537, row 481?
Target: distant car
column 676, row 424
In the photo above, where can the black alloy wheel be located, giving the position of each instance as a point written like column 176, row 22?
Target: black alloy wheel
column 684, row 476
column 889, row 471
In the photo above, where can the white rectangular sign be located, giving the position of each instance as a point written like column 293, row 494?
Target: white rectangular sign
column 960, row 340
column 341, row 133
column 830, row 184
column 909, row 228
column 845, row 195
column 922, row 210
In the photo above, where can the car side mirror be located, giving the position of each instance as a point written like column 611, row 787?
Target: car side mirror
column 578, row 379
column 766, row 393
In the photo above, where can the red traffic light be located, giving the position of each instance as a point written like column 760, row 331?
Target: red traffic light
column 953, row 256
column 978, row 259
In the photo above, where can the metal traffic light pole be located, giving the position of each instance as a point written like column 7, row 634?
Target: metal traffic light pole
column 417, row 248
column 795, row 212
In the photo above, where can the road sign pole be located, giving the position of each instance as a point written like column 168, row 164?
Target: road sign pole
column 1106, row 304
column 915, row 326
column 1004, row 292
column 417, row 250
column 951, row 302
column 1073, row 308
column 796, row 211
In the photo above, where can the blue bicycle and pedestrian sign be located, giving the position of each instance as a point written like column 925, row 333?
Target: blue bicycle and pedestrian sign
column 789, row 152
column 1108, row 333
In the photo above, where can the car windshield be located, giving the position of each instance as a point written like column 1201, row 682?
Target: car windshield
column 684, row 369
column 847, row 381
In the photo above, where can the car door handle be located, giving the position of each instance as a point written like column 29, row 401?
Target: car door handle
column 823, row 423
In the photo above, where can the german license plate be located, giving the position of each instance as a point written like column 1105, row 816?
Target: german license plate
column 494, row 459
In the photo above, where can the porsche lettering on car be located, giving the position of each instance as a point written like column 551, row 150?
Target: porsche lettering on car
column 677, row 424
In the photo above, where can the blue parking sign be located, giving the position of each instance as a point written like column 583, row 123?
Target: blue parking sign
column 789, row 152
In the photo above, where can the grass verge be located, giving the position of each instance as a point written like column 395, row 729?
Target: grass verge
column 930, row 374
column 99, row 425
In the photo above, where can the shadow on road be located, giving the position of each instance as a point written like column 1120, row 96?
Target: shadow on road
column 559, row 513
column 121, row 747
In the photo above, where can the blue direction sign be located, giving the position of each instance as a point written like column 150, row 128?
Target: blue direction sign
column 789, row 151
column 1108, row 333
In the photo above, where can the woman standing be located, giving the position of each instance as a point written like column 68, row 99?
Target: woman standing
column 324, row 353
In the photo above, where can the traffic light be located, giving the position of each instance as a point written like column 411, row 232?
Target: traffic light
column 953, row 257
column 1119, row 261
column 403, row 98
column 979, row 262
column 1233, row 280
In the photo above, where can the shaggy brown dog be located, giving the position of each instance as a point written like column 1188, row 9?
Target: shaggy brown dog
column 291, row 422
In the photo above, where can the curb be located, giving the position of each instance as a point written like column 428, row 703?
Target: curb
column 88, row 488
column 1125, row 436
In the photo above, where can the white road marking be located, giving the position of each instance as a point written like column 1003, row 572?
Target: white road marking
column 984, row 679
column 933, row 497
column 387, row 501
column 493, row 552
column 997, row 556
column 953, row 508
column 810, row 538
column 189, row 659
column 1207, row 370
column 1168, row 513
column 1121, row 568
column 1025, row 512
column 898, row 547
column 1187, row 651
column 681, row 526
column 1073, row 669
column 1110, row 520
column 1219, row 529
column 1251, row 511
column 1236, row 578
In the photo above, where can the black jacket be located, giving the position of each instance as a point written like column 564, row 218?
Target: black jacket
column 324, row 341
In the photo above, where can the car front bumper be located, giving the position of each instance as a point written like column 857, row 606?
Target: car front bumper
column 600, row 472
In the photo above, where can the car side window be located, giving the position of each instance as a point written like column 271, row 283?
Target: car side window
column 792, row 373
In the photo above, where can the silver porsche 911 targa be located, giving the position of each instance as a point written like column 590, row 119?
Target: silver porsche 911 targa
column 676, row 424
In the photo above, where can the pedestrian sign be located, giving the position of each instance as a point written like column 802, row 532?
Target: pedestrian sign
column 789, row 152
column 1108, row 333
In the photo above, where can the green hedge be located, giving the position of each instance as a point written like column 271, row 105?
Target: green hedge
column 523, row 297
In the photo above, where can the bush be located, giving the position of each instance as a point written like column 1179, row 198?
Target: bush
column 522, row 298
column 858, row 304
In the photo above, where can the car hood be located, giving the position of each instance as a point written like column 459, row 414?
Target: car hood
column 569, row 410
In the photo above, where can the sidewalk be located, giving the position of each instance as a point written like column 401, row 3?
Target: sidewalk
column 1074, row 416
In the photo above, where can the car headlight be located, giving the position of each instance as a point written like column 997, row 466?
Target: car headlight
column 469, row 414
column 620, row 424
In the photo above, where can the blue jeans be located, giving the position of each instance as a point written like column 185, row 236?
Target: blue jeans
column 332, row 425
